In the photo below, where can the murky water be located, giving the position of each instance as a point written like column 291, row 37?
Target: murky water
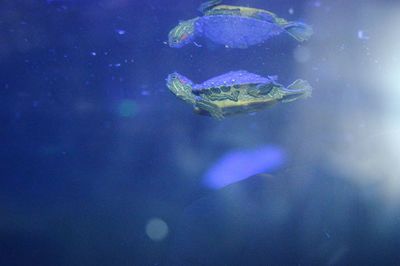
column 102, row 165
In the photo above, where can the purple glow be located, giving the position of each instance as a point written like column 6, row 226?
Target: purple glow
column 241, row 164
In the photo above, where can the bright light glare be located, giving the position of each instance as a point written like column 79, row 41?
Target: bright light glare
column 375, row 158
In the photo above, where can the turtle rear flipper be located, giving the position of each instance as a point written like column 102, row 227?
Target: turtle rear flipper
column 297, row 90
column 298, row 30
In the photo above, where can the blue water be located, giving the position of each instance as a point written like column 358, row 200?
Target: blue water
column 101, row 165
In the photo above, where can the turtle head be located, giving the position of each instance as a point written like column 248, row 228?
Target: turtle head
column 184, row 33
column 181, row 86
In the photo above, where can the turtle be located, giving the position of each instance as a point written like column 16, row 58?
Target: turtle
column 235, row 26
column 235, row 92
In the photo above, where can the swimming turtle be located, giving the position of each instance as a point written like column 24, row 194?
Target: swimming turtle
column 235, row 26
column 235, row 92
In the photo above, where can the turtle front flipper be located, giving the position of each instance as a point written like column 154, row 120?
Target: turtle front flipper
column 204, row 7
column 300, row 89
column 181, row 87
column 210, row 108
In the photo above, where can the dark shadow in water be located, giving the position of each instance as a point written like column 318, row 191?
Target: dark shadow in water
column 282, row 220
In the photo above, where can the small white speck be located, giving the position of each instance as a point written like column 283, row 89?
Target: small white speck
column 291, row 11
column 197, row 45
column 93, row 53
column 327, row 235
column 120, row 31
column 362, row 35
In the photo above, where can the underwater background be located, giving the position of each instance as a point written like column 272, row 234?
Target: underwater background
column 101, row 165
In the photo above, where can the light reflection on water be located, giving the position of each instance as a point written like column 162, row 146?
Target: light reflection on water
column 240, row 164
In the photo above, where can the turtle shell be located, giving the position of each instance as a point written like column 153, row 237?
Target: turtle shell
column 236, row 31
column 233, row 78
column 242, row 11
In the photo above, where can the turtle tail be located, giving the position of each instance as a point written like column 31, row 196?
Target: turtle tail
column 298, row 30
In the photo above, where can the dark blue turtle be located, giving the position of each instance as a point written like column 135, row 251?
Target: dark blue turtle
column 235, row 92
column 235, row 26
